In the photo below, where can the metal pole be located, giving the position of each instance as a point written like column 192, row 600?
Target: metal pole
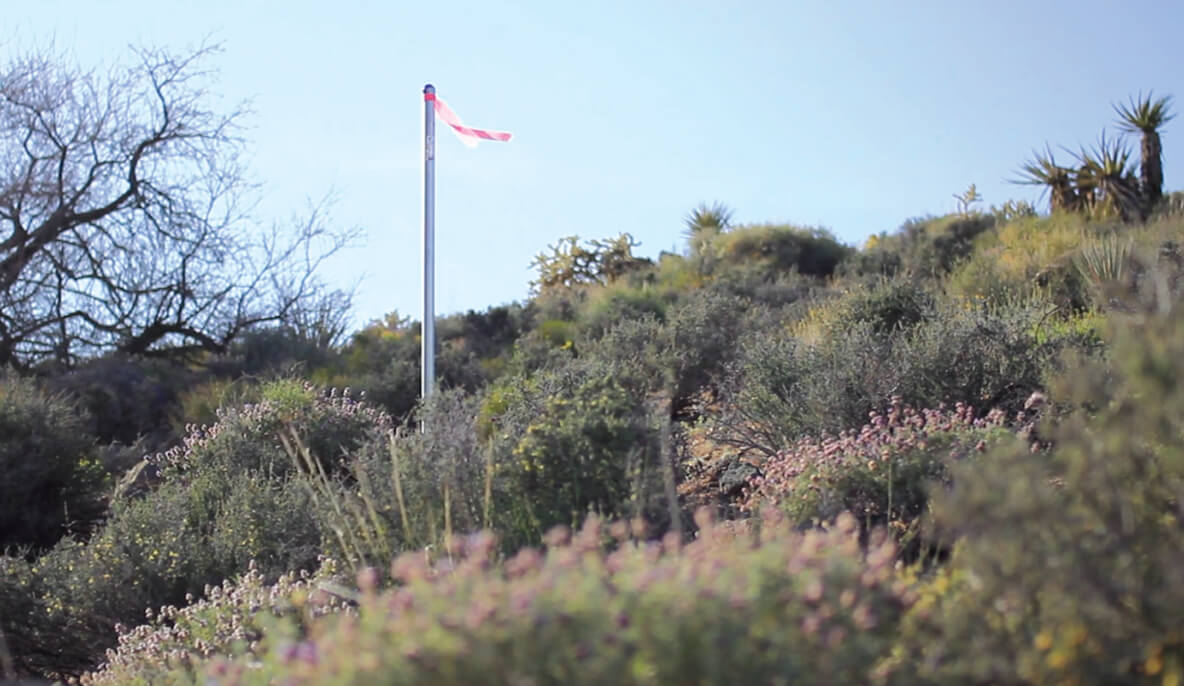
column 429, row 242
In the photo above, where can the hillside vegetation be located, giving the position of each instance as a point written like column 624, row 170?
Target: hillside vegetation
column 953, row 455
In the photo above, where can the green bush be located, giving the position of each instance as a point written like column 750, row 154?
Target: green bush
column 582, row 453
column 51, row 483
column 638, row 352
column 927, row 247
column 157, row 551
column 794, row 608
column 1068, row 564
column 580, row 434
column 273, row 350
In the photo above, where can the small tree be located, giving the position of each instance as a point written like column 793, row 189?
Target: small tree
column 1042, row 170
column 1146, row 116
column 1106, row 181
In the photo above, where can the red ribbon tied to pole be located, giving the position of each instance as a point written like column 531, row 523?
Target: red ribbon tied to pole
column 467, row 134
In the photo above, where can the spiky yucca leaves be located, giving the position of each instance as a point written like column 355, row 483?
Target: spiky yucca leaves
column 1146, row 116
column 1104, row 261
column 705, row 221
column 1106, row 182
column 716, row 216
column 1042, row 170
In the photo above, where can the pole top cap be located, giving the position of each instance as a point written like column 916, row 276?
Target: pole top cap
column 429, row 88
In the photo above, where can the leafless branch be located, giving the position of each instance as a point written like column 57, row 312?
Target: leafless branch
column 125, row 216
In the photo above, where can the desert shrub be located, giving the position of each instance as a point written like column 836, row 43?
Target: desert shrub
column 158, row 550
column 779, row 292
column 246, row 438
column 638, row 351
column 51, row 482
column 1030, row 246
column 720, row 610
column 885, row 305
column 778, row 249
column 882, row 473
column 986, row 359
column 395, row 387
column 784, row 388
column 676, row 274
column 1031, row 256
column 414, row 488
column 1068, row 567
column 888, row 306
column 927, row 247
column 231, row 495
column 608, row 306
column 557, row 332
column 983, row 281
column 758, row 284
column 703, row 332
column 382, row 361
column 680, row 356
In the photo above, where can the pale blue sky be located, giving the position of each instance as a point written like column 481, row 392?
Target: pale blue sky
column 850, row 115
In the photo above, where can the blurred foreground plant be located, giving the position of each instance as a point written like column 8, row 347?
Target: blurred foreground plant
column 723, row 609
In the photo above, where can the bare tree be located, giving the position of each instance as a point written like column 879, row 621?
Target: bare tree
column 125, row 215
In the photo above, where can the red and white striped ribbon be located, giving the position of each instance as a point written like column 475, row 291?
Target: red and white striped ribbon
column 467, row 135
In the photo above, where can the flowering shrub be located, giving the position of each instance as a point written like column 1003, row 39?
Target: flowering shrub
column 881, row 473
column 801, row 608
column 230, row 619
column 247, row 438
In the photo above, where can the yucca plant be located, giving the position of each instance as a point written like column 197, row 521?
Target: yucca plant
column 1146, row 116
column 1106, row 181
column 1042, row 170
column 1104, row 261
column 705, row 221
